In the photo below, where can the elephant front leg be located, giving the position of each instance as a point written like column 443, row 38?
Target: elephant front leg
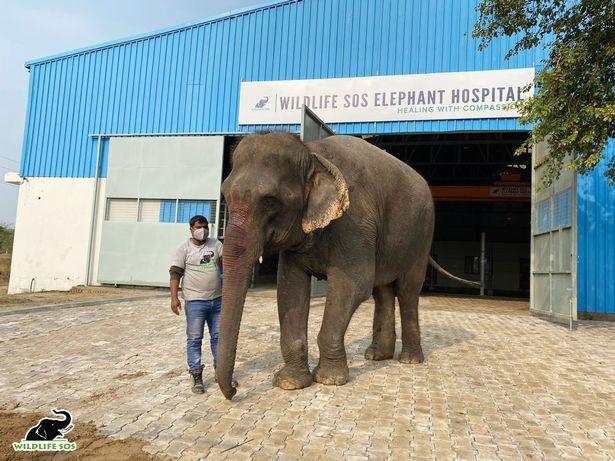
column 344, row 295
column 293, row 309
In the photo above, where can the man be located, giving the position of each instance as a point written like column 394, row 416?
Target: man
column 197, row 263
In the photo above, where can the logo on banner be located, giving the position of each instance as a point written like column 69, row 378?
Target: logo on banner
column 262, row 104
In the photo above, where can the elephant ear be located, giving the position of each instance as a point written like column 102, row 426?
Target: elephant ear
column 327, row 195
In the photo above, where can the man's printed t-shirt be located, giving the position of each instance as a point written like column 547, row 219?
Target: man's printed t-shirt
column 201, row 280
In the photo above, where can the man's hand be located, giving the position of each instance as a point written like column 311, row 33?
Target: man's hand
column 176, row 305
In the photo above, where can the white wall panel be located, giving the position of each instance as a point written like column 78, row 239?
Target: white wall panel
column 138, row 251
column 159, row 167
column 51, row 234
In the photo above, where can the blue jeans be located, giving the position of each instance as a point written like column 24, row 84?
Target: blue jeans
column 197, row 313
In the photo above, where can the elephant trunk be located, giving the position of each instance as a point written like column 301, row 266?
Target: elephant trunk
column 67, row 418
column 240, row 255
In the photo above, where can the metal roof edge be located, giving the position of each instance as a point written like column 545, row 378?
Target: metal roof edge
column 157, row 33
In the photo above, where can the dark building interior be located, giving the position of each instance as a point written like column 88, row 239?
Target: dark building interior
column 479, row 186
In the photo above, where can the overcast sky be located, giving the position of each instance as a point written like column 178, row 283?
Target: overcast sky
column 36, row 28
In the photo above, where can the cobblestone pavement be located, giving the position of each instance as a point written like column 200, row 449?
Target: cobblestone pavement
column 497, row 384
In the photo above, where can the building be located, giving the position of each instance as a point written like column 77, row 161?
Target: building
column 125, row 140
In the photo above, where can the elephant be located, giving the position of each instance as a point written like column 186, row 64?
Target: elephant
column 49, row 428
column 339, row 209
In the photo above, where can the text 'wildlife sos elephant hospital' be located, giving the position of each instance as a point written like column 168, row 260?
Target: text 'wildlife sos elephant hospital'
column 391, row 98
column 126, row 140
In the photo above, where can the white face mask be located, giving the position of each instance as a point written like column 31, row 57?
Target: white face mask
column 201, row 234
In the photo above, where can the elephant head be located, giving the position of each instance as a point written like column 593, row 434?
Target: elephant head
column 277, row 193
column 49, row 429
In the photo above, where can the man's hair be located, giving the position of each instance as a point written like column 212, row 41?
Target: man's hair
column 198, row 219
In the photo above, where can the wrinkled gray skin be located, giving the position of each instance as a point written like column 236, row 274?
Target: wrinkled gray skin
column 339, row 209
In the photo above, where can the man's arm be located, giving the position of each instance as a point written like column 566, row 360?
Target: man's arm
column 176, row 274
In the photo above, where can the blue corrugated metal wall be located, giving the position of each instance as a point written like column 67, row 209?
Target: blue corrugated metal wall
column 596, row 241
column 187, row 80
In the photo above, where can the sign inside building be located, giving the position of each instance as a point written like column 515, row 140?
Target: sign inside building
column 441, row 96
column 510, row 191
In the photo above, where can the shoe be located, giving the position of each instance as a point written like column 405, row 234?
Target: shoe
column 197, row 378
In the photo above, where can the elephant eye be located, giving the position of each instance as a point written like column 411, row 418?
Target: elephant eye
column 270, row 203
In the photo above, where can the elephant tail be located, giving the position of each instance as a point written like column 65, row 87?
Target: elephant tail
column 451, row 276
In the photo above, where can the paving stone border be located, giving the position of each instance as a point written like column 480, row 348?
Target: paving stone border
column 92, row 302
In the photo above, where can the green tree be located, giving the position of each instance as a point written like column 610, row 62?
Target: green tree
column 574, row 108
column 6, row 238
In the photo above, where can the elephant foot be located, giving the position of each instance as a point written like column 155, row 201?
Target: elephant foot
column 291, row 378
column 415, row 356
column 331, row 375
column 376, row 352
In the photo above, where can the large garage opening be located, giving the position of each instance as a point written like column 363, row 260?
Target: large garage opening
column 479, row 186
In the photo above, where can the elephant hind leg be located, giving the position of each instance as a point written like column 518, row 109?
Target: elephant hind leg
column 383, row 341
column 408, row 290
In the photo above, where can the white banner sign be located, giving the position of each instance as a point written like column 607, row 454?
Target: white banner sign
column 442, row 96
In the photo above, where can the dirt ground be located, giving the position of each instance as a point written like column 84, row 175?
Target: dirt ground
column 76, row 294
column 90, row 446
